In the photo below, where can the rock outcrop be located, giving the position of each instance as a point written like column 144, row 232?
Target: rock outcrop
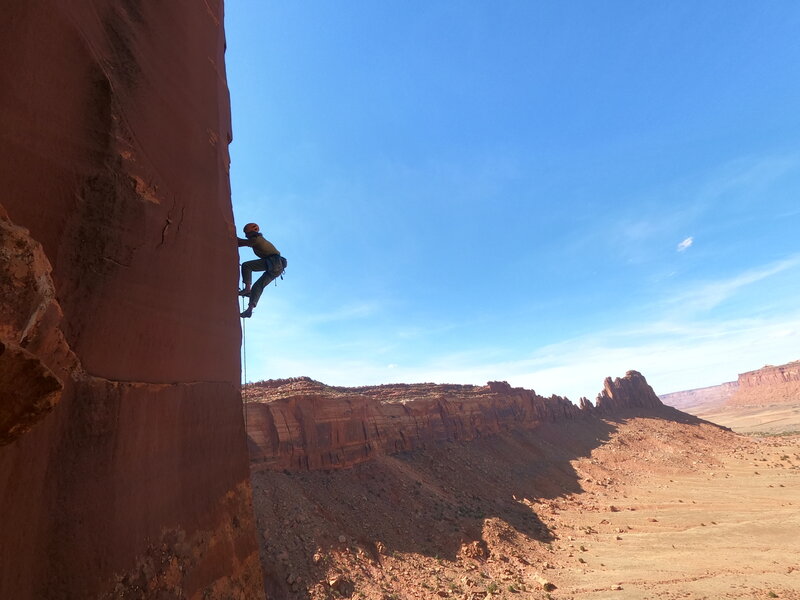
column 631, row 391
column 302, row 424
column 123, row 462
column 769, row 385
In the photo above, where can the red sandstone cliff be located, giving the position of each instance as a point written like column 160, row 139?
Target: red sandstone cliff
column 765, row 386
column 302, row 424
column 769, row 385
column 123, row 464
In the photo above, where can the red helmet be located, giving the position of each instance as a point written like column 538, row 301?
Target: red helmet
column 250, row 228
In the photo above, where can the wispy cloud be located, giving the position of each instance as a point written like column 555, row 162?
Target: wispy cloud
column 748, row 173
column 349, row 312
column 643, row 226
column 705, row 355
column 706, row 296
column 673, row 349
column 673, row 356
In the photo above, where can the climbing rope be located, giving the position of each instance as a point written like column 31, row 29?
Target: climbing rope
column 244, row 346
column 244, row 364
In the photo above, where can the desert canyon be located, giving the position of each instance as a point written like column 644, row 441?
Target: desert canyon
column 134, row 465
column 465, row 492
column 763, row 401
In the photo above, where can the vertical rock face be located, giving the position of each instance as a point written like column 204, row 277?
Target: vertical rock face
column 769, row 385
column 631, row 391
column 769, row 375
column 123, row 466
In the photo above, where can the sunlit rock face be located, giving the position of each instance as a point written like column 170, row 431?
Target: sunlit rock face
column 302, row 424
column 769, row 385
column 123, row 463
column 631, row 391
column 765, row 386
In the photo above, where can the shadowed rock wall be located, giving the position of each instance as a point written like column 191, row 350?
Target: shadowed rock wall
column 123, row 466
column 304, row 425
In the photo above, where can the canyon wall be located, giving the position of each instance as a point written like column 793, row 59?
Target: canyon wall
column 302, row 424
column 769, row 385
column 764, row 386
column 714, row 395
column 123, row 462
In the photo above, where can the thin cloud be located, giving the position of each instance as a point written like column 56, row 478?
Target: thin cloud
column 685, row 244
column 348, row 312
column 714, row 354
column 674, row 349
column 672, row 356
column 748, row 174
column 709, row 295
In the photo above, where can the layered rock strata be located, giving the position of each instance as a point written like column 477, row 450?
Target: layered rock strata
column 769, row 385
column 123, row 462
column 765, row 386
column 302, row 424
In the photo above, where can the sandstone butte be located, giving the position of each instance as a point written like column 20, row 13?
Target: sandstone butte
column 301, row 424
column 123, row 462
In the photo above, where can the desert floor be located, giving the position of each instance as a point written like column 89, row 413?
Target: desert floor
column 663, row 506
column 771, row 420
column 726, row 528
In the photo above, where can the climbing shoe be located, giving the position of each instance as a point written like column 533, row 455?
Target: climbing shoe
column 247, row 314
column 244, row 293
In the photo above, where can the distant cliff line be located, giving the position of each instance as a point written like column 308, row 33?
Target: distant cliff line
column 767, row 385
column 301, row 424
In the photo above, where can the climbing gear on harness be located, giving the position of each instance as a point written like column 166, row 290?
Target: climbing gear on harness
column 276, row 265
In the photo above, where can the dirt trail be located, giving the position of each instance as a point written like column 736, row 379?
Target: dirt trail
column 639, row 508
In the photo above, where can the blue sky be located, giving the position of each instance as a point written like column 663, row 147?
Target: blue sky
column 540, row 192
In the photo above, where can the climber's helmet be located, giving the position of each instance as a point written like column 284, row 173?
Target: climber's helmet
column 250, row 229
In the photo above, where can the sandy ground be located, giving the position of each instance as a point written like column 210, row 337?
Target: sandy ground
column 630, row 508
column 773, row 419
column 729, row 528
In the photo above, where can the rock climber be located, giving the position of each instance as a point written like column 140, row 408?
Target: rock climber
column 269, row 260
